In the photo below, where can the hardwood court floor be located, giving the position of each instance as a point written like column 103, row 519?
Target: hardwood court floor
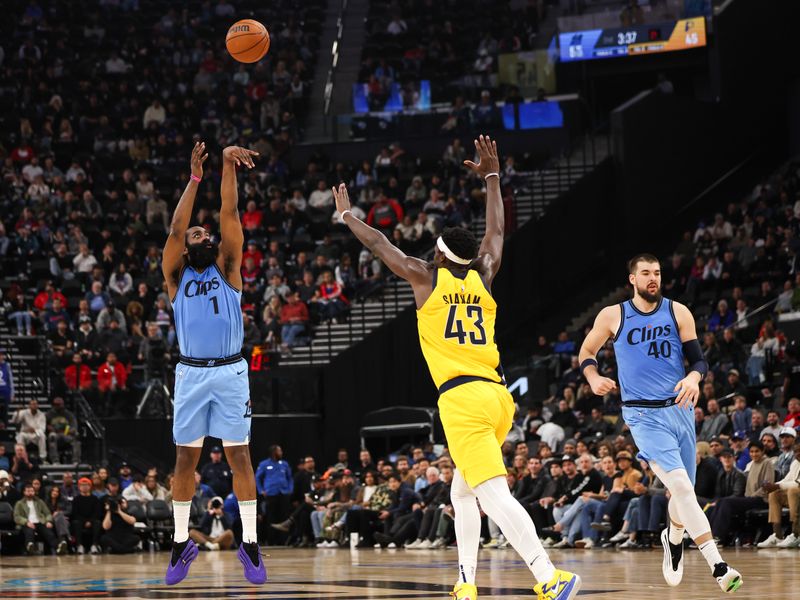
column 388, row 574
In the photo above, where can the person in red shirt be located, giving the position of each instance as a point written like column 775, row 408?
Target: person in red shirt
column 44, row 299
column 78, row 375
column 332, row 301
column 252, row 218
column 111, row 379
column 792, row 413
column 385, row 214
column 251, row 273
column 254, row 253
column 294, row 318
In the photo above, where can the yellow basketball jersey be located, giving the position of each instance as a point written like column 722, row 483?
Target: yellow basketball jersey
column 456, row 328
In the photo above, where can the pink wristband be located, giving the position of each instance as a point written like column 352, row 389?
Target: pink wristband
column 195, row 178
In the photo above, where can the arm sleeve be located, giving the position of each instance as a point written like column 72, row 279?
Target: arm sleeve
column 694, row 355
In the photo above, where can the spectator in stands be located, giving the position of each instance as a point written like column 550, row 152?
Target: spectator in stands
column 275, row 484
column 734, row 386
column 731, row 352
column 120, row 535
column 215, row 530
column 68, row 488
column 8, row 492
column 774, row 425
column 294, row 319
column 730, row 482
column 78, row 375
column 728, row 509
column 5, row 463
column 6, row 387
column 792, row 418
column 618, row 499
column 112, row 380
column 32, row 427
column 23, row 467
column 60, row 508
column 787, row 440
column 137, row 490
column 770, row 443
column 84, row 261
column 217, row 473
column 33, row 518
column 742, row 416
column 86, row 517
column 332, row 301
column 52, row 316
column 62, row 431
column 740, row 441
column 785, row 493
column 715, row 423
column 385, row 214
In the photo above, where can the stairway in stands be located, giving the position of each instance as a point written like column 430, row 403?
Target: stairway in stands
column 533, row 193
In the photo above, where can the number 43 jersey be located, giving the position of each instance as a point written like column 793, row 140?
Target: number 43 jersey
column 456, row 328
column 208, row 315
column 649, row 352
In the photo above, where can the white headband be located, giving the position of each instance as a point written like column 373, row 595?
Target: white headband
column 449, row 253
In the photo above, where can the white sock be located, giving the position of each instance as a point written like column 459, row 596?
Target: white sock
column 247, row 510
column 710, row 553
column 467, row 526
column 180, row 511
column 515, row 523
column 675, row 532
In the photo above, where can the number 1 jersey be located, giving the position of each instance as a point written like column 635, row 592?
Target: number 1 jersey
column 649, row 352
column 456, row 328
column 208, row 315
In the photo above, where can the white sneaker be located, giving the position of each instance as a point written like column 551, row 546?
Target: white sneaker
column 392, row 546
column 790, row 541
column 561, row 544
column 439, row 543
column 212, row 546
column 629, row 543
column 503, row 544
column 376, row 546
column 322, row 544
column 730, row 580
column 413, row 545
column 95, row 549
column 492, row 543
column 425, row 545
column 618, row 537
column 80, row 549
column 585, row 543
column 770, row 542
column 671, row 576
column 547, row 542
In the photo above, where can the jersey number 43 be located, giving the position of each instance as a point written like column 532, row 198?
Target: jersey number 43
column 455, row 326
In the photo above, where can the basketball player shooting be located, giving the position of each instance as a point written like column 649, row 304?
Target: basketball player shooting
column 455, row 318
column 212, row 393
column 652, row 337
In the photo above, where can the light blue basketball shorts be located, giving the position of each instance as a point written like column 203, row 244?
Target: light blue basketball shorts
column 212, row 401
column 665, row 436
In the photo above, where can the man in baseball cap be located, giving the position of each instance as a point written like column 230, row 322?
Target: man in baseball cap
column 787, row 438
column 739, row 446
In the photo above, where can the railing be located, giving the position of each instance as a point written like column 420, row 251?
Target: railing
column 86, row 416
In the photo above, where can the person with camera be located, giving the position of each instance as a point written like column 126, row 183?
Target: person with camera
column 215, row 531
column 8, row 493
column 120, row 536
column 33, row 517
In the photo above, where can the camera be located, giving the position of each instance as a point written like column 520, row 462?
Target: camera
column 112, row 504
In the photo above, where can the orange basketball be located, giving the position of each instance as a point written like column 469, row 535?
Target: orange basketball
column 247, row 41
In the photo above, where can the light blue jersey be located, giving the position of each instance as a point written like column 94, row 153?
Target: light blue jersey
column 649, row 352
column 208, row 315
column 650, row 364
column 212, row 399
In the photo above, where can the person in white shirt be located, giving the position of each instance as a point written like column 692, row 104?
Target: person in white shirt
column 84, row 261
column 137, row 491
column 215, row 531
column 32, row 426
column 322, row 197
column 785, row 493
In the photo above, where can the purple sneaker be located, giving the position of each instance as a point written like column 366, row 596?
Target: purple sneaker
column 177, row 572
column 255, row 573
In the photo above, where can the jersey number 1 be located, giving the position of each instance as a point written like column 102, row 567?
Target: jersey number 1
column 213, row 301
column 455, row 327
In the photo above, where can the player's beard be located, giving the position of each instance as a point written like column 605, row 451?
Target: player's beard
column 202, row 255
column 649, row 296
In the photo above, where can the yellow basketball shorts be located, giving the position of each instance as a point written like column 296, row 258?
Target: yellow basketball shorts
column 477, row 417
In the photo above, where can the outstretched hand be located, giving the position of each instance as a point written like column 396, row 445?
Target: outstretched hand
column 342, row 198
column 239, row 156
column 488, row 162
column 199, row 156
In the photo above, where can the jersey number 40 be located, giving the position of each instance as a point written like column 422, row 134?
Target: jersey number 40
column 455, row 326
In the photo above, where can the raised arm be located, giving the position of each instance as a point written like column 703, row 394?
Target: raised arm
column 232, row 236
column 604, row 327
column 417, row 272
column 172, row 257
column 490, row 253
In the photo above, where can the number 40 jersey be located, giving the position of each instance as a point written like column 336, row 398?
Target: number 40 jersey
column 456, row 329
column 649, row 352
column 208, row 315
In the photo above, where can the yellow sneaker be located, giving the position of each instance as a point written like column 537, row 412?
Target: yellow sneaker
column 563, row 586
column 464, row 591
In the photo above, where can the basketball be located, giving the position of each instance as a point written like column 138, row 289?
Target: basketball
column 247, row 41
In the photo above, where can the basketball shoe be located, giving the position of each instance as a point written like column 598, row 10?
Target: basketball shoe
column 183, row 555
column 672, row 566
column 728, row 579
column 464, row 591
column 250, row 557
column 563, row 586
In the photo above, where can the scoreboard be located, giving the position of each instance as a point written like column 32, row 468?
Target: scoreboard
column 628, row 41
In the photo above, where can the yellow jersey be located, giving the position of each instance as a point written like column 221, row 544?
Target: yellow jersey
column 456, row 329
